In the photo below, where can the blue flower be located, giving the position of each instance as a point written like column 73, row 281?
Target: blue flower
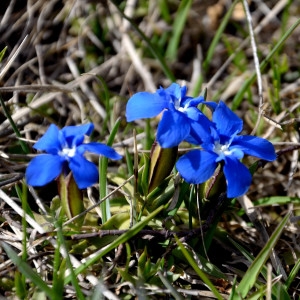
column 223, row 144
column 64, row 151
column 180, row 113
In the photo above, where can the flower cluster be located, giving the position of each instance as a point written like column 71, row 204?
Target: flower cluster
column 219, row 138
column 180, row 115
column 65, row 150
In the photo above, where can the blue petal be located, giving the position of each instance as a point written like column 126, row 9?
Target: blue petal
column 255, row 146
column 196, row 166
column 211, row 105
column 192, row 102
column 74, row 135
column 173, row 128
column 85, row 173
column 200, row 131
column 80, row 130
column 43, row 169
column 236, row 153
column 227, row 122
column 49, row 142
column 145, row 105
column 194, row 114
column 100, row 149
column 237, row 176
column 175, row 90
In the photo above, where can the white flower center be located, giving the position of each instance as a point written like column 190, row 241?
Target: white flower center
column 222, row 149
column 68, row 152
column 178, row 107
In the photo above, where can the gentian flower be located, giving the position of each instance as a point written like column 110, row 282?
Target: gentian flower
column 223, row 144
column 64, row 152
column 180, row 113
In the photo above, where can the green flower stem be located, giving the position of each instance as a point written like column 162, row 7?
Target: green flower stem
column 103, row 164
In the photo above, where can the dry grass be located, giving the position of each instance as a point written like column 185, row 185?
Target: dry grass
column 71, row 61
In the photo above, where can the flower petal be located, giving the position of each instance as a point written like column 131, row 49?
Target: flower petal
column 227, row 122
column 200, row 131
column 211, row 105
column 145, row 105
column 85, row 172
column 74, row 135
column 43, row 169
column 173, row 128
column 255, row 146
column 237, row 176
column 194, row 113
column 196, row 166
column 79, row 130
column 192, row 102
column 49, row 142
column 100, row 149
column 175, row 91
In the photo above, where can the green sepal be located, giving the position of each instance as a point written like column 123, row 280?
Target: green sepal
column 162, row 162
column 214, row 186
column 160, row 195
column 71, row 197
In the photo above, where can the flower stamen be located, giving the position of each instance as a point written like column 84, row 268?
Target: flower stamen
column 67, row 152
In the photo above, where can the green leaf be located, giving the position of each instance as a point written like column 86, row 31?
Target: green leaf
column 156, row 53
column 142, row 262
column 276, row 200
column 119, row 221
column 253, row 271
column 120, row 240
column 200, row 273
column 103, row 164
column 178, row 26
column 29, row 273
column 59, row 268
column 14, row 126
column 240, row 94
column 73, row 278
column 294, row 272
column 20, row 285
column 2, row 53
column 212, row 48
column 144, row 182
column 217, row 36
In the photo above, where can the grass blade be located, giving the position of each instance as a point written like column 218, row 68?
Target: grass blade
column 217, row 37
column 253, row 271
column 72, row 275
column 196, row 268
column 178, row 27
column 103, row 164
column 2, row 53
column 120, row 240
column 155, row 52
column 14, row 126
column 240, row 94
column 294, row 272
column 26, row 270
column 212, row 48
